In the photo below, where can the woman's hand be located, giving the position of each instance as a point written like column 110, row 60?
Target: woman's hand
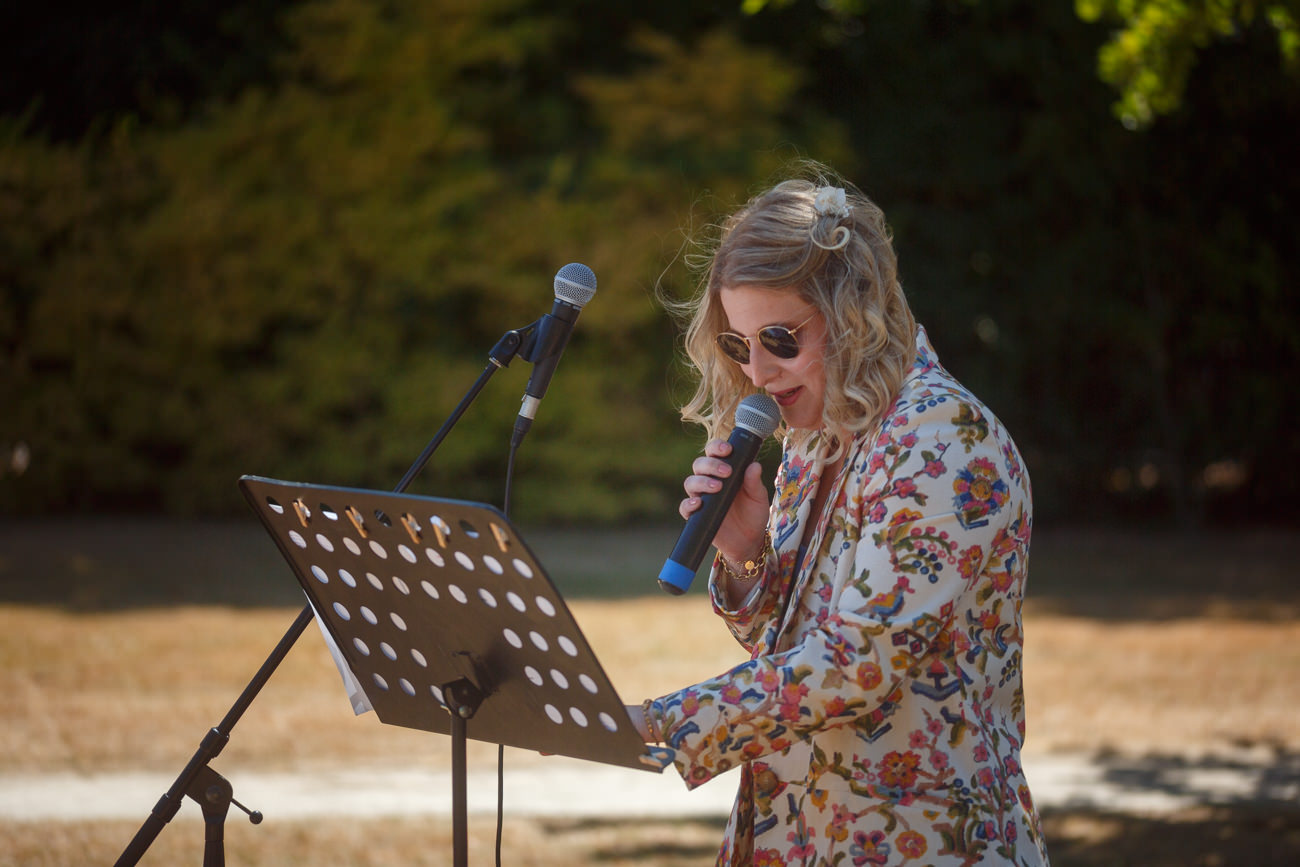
column 740, row 536
column 636, row 713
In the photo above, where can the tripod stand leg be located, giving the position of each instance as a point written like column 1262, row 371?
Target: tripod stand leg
column 214, row 794
column 213, row 743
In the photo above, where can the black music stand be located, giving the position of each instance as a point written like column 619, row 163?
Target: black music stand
column 444, row 615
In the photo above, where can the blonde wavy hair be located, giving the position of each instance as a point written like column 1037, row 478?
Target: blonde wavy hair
column 780, row 241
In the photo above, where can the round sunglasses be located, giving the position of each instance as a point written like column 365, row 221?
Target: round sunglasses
column 776, row 339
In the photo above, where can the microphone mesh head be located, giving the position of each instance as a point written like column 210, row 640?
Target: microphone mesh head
column 575, row 284
column 758, row 414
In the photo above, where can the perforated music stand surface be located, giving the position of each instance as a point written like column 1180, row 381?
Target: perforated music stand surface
column 419, row 592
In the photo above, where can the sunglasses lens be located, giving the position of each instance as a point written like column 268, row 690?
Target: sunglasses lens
column 734, row 347
column 779, row 340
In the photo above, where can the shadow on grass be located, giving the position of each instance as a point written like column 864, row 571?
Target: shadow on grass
column 111, row 564
column 106, row 564
column 1257, row 775
column 1219, row 837
column 1174, row 811
column 1246, row 836
column 657, row 841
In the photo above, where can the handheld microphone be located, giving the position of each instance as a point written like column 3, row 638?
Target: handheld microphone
column 756, row 419
column 575, row 285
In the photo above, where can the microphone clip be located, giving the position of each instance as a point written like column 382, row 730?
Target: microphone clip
column 517, row 342
column 545, row 338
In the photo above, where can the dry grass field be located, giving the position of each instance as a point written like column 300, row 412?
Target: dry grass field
column 121, row 644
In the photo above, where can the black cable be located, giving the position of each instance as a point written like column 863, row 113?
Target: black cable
column 501, row 748
column 501, row 790
column 510, row 478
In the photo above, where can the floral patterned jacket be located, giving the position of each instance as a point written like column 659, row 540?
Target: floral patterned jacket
column 880, row 717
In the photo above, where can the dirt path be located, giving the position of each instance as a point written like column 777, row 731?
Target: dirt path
column 573, row 789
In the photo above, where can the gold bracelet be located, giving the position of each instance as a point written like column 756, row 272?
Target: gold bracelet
column 650, row 727
column 751, row 568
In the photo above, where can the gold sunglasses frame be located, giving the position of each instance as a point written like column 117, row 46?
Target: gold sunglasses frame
column 758, row 335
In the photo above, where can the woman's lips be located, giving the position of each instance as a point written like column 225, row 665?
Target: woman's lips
column 786, row 398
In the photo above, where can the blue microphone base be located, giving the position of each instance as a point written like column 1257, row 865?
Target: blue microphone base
column 675, row 578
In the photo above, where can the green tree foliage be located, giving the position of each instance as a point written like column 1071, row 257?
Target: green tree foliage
column 1149, row 57
column 1120, row 299
column 70, row 66
column 301, row 277
column 303, row 281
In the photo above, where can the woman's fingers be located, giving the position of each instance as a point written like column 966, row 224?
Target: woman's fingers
column 708, row 470
column 717, row 448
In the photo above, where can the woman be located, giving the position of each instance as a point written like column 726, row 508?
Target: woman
column 878, row 591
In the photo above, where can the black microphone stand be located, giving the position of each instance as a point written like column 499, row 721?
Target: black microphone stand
column 210, row 790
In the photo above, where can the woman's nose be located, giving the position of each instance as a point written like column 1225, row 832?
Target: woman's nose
column 762, row 367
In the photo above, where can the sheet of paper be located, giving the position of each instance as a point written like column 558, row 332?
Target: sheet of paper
column 356, row 695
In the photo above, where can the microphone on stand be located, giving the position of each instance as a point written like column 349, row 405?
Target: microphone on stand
column 756, row 420
column 575, row 284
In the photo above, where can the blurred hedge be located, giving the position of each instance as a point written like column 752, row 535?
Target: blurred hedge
column 299, row 275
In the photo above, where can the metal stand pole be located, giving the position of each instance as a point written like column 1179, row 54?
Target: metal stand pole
column 463, row 699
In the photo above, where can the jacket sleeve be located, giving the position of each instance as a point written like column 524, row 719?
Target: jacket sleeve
column 751, row 618
column 931, row 527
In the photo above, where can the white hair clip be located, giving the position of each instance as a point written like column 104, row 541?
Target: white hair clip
column 831, row 201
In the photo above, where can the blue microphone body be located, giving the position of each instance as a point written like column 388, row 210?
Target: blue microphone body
column 756, row 420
